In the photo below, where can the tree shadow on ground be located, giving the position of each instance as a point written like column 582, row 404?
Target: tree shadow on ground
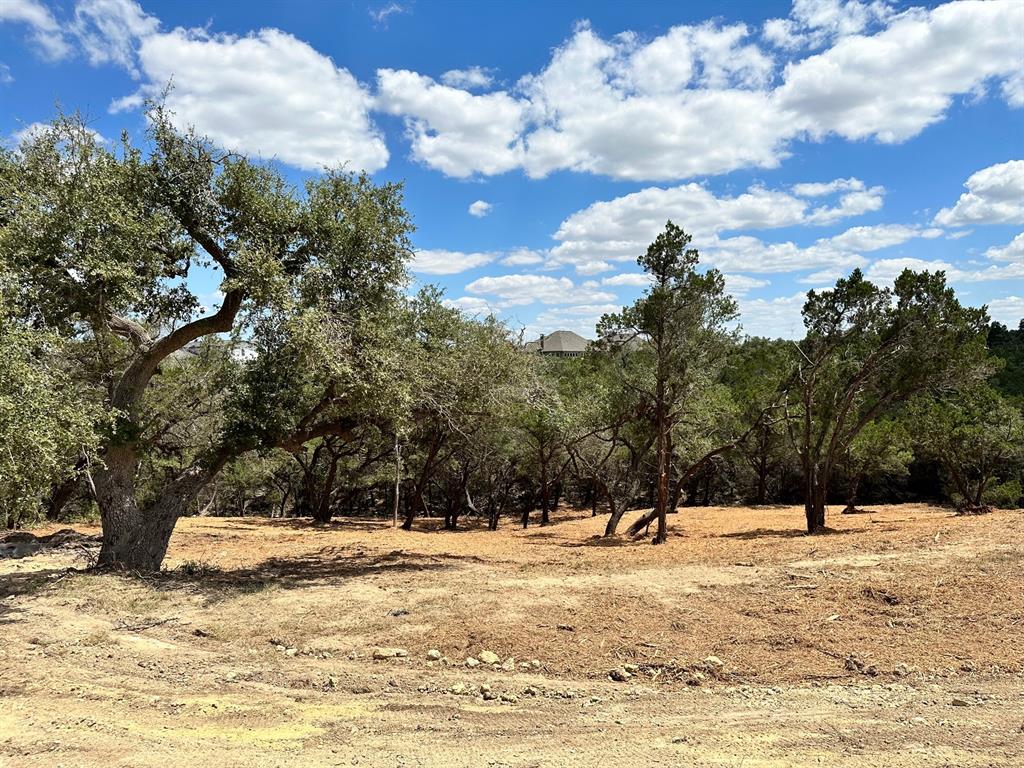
column 27, row 583
column 785, row 533
column 601, row 541
column 326, row 566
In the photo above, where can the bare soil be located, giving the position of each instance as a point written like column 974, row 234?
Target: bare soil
column 895, row 640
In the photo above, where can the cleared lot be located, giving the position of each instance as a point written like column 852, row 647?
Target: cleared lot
column 897, row 640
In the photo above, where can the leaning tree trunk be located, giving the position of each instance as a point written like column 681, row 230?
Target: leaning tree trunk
column 133, row 537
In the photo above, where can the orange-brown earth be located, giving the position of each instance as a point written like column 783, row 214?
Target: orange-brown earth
column 896, row 640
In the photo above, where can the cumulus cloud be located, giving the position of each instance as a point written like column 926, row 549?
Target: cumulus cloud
column 441, row 262
column 480, row 208
column 741, row 285
column 522, row 257
column 995, row 195
column 266, row 93
column 705, row 99
column 5, row 74
column 631, row 279
column 110, row 31
column 46, row 33
column 516, row 290
column 812, row 23
column 774, row 318
column 886, row 270
column 1012, row 251
column 451, row 129
column 837, row 254
column 1008, row 310
column 620, row 229
column 468, row 79
column 891, row 85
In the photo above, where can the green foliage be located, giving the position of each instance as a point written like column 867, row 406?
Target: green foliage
column 867, row 350
column 49, row 430
column 1008, row 345
column 977, row 435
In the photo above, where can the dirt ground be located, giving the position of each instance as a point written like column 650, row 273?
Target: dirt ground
column 897, row 640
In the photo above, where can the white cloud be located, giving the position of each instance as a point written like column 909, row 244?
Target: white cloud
column 266, row 93
column 812, row 23
column 581, row 319
column 480, row 208
column 527, row 289
column 741, row 285
column 1008, row 310
column 5, row 74
column 473, row 305
column 1013, row 251
column 775, row 318
column 821, row 189
column 594, row 267
column 110, row 30
column 886, row 270
column 46, row 32
column 874, row 238
column 620, row 229
column 30, row 130
column 631, row 279
column 382, row 13
column 837, row 254
column 440, row 262
column 995, row 195
column 468, row 79
column 451, row 129
column 522, row 257
column 704, row 99
column 892, row 85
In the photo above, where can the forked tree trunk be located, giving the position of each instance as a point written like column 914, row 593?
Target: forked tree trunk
column 133, row 537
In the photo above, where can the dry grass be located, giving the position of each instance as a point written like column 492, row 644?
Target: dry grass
column 908, row 596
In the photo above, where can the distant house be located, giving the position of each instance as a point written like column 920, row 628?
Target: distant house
column 558, row 344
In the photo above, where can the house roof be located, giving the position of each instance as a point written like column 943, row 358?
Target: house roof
column 558, row 341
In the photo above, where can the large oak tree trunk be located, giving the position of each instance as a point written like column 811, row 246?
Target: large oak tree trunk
column 133, row 537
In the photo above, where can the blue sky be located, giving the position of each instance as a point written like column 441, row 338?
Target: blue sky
column 543, row 145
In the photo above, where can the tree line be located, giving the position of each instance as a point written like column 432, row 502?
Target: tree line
column 321, row 386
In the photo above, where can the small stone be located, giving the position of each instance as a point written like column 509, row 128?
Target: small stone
column 434, row 655
column 486, row 687
column 960, row 702
column 631, row 668
column 509, row 665
column 332, row 682
column 619, row 675
column 458, row 689
column 525, row 666
column 714, row 662
column 291, row 651
column 230, row 676
column 471, row 662
column 535, row 664
column 489, row 695
column 530, row 691
column 696, row 678
column 509, row 698
column 489, row 657
column 389, row 653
